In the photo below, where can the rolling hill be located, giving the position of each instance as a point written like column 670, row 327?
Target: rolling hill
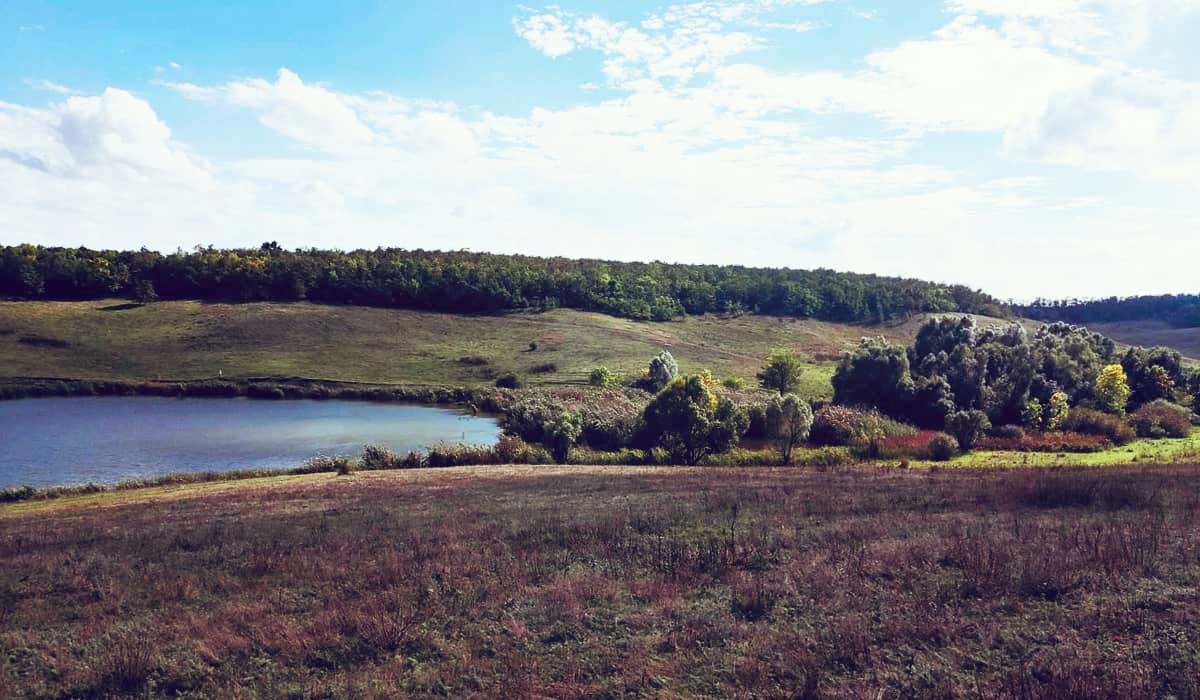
column 112, row 339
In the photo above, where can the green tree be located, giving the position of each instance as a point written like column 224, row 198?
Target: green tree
column 1034, row 415
column 562, row 433
column 782, row 372
column 1112, row 389
column 689, row 422
column 789, row 421
column 875, row 374
column 968, row 427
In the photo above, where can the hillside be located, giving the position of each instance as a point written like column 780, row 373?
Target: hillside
column 1152, row 334
column 112, row 339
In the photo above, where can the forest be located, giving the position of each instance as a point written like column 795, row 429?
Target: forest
column 1180, row 310
column 469, row 282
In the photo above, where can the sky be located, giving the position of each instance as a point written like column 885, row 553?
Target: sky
column 1029, row 148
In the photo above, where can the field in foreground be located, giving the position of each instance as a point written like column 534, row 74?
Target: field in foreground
column 546, row 582
column 113, row 339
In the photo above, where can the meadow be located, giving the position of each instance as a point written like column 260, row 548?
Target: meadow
column 187, row 340
column 612, row 582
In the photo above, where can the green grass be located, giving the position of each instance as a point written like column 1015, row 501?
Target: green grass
column 1165, row 451
column 111, row 339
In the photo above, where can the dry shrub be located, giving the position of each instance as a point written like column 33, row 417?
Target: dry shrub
column 1160, row 419
column 1092, row 422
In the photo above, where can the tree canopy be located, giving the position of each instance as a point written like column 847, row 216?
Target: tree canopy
column 464, row 281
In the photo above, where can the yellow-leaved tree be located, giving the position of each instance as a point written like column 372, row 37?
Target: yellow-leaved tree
column 1112, row 389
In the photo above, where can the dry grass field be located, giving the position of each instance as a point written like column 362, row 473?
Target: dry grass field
column 616, row 582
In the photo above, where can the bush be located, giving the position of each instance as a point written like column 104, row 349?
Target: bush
column 544, row 368
column 918, row 446
column 1159, row 419
column 508, row 380
column 822, row 457
column 1048, row 442
column 844, row 426
column 324, row 463
column 604, row 377
column 942, row 448
column 1091, row 422
column 1009, row 432
column 375, row 457
column 968, row 427
column 561, row 434
column 1112, row 389
column 663, row 370
column 474, row 360
column 734, row 383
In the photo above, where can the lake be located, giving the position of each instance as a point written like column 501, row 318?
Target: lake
column 58, row 441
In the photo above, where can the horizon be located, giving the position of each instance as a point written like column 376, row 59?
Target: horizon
column 1026, row 149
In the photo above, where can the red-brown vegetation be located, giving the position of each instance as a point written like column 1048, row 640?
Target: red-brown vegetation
column 570, row 582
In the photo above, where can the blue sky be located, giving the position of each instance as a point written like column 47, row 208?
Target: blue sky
column 1028, row 147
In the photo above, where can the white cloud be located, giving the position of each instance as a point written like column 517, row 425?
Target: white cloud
column 309, row 114
column 50, row 86
column 695, row 153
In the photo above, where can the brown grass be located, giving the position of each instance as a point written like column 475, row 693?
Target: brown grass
column 570, row 582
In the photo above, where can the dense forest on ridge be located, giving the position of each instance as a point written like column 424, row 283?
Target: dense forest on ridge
column 1180, row 310
column 464, row 281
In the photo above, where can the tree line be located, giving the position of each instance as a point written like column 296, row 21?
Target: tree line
column 462, row 281
column 1180, row 310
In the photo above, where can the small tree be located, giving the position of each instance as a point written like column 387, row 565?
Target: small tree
column 782, row 372
column 562, row 433
column 1033, row 415
column 789, row 421
column 663, row 370
column 968, row 427
column 689, row 422
column 1112, row 390
column 1057, row 412
column 145, row 293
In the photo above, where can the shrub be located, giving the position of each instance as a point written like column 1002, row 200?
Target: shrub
column 734, row 383
column 1033, row 415
column 781, row 373
column 822, row 457
column 508, row 380
column 942, row 448
column 325, row 463
column 968, row 427
column 604, row 377
column 663, row 370
column 562, row 433
column 1092, row 422
column 375, row 457
column 843, row 426
column 1047, row 442
column 444, row 455
column 1009, row 432
column 544, row 368
column 918, row 446
column 1159, row 419
column 474, row 360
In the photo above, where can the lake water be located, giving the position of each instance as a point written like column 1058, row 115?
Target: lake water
column 107, row 439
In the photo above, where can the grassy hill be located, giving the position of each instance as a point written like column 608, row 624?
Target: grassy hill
column 112, row 339
column 1153, row 333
